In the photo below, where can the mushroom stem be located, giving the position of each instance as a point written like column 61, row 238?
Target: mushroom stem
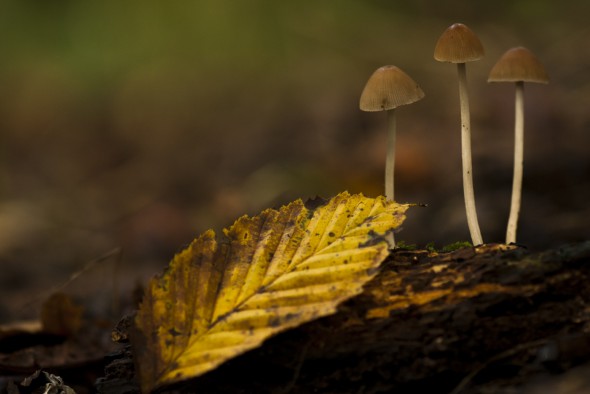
column 466, row 157
column 388, row 88
column 518, row 163
column 390, row 165
column 390, row 158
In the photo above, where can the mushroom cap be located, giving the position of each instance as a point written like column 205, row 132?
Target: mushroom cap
column 518, row 65
column 388, row 88
column 458, row 44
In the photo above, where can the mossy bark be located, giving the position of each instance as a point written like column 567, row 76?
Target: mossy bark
column 493, row 317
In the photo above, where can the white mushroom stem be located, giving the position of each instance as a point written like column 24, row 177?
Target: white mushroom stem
column 466, row 156
column 390, row 164
column 518, row 163
column 390, row 158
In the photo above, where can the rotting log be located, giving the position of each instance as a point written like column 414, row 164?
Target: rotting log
column 486, row 319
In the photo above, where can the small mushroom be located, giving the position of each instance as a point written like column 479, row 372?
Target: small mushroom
column 458, row 44
column 517, row 65
column 388, row 88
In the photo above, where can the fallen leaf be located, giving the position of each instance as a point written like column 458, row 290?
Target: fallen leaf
column 60, row 339
column 53, row 384
column 271, row 272
column 60, row 315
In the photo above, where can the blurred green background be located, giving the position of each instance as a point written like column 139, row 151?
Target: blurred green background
column 140, row 124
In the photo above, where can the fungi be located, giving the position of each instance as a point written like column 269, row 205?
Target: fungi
column 458, row 44
column 517, row 65
column 388, row 88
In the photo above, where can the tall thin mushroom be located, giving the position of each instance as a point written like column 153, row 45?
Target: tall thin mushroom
column 458, row 44
column 517, row 65
column 388, row 88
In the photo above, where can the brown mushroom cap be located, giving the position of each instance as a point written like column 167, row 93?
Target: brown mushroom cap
column 518, row 65
column 388, row 88
column 458, row 44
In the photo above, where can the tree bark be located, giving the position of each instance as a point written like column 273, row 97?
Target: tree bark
column 485, row 319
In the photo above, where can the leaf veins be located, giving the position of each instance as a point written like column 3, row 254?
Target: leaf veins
column 271, row 272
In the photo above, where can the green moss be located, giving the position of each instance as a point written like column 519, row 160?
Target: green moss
column 455, row 246
column 431, row 247
column 401, row 245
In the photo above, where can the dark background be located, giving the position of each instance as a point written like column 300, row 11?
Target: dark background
column 138, row 125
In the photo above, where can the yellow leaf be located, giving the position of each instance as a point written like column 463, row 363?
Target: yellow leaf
column 270, row 272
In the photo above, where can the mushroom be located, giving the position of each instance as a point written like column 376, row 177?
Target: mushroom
column 388, row 88
column 518, row 65
column 458, row 44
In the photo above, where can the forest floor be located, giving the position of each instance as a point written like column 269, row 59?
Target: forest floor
column 489, row 319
